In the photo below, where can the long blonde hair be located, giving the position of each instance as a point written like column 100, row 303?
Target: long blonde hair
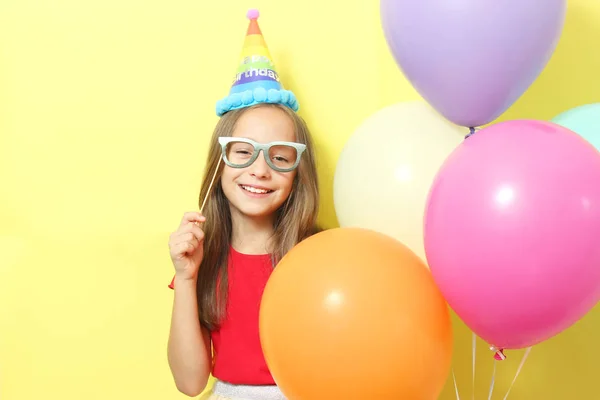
column 295, row 220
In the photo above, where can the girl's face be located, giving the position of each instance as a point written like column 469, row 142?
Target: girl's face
column 257, row 191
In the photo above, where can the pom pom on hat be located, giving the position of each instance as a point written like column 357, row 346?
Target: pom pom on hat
column 253, row 14
column 256, row 80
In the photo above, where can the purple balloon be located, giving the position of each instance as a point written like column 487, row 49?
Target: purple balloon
column 472, row 59
column 512, row 231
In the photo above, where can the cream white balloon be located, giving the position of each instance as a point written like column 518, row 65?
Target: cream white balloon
column 384, row 173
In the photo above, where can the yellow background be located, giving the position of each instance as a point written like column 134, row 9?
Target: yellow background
column 105, row 109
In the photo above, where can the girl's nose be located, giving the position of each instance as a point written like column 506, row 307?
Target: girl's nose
column 259, row 167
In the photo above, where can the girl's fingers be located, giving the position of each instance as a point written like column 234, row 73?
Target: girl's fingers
column 193, row 216
column 183, row 249
column 189, row 235
column 194, row 229
column 186, row 237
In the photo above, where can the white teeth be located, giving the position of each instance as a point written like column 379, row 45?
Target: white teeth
column 254, row 190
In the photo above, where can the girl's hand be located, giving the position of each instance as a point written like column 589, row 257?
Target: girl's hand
column 186, row 246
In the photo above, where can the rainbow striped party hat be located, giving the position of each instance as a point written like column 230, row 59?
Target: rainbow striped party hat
column 256, row 80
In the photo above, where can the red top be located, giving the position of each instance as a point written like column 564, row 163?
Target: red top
column 238, row 356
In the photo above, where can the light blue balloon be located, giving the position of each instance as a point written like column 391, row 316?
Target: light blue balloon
column 583, row 120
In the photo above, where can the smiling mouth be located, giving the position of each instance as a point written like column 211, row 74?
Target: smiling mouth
column 255, row 190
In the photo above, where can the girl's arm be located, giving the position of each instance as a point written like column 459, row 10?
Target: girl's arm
column 189, row 350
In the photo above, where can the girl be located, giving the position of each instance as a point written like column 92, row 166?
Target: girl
column 259, row 198
column 263, row 202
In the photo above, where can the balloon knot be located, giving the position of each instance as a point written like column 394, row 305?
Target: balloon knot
column 471, row 132
column 498, row 353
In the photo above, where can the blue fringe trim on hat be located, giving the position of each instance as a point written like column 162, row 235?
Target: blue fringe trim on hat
column 257, row 96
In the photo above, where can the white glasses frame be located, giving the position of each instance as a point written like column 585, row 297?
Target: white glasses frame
column 258, row 147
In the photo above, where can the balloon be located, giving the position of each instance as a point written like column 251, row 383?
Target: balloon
column 583, row 120
column 472, row 59
column 512, row 231
column 385, row 170
column 348, row 306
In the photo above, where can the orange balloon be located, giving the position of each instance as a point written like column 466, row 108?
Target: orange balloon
column 354, row 314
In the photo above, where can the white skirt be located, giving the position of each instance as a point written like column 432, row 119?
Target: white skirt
column 227, row 391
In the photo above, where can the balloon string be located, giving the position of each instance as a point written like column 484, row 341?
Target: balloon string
column 455, row 385
column 518, row 370
column 210, row 186
column 471, row 132
column 493, row 381
column 474, row 348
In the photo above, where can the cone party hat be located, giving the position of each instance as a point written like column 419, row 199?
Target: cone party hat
column 256, row 80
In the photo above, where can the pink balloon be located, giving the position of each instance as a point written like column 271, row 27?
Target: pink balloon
column 512, row 231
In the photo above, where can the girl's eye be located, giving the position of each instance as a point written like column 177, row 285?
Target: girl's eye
column 244, row 152
column 280, row 159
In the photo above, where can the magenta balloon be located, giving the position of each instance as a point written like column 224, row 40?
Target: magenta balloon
column 512, row 231
column 472, row 59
